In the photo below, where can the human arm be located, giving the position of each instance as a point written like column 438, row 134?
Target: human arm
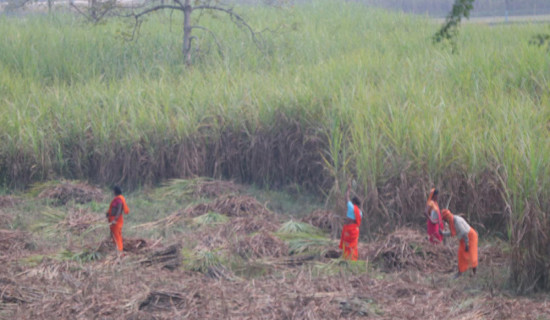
column 347, row 192
column 466, row 242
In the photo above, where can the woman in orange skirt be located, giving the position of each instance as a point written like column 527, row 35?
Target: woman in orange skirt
column 467, row 249
column 350, row 231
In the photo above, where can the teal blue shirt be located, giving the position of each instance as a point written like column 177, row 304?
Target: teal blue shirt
column 350, row 213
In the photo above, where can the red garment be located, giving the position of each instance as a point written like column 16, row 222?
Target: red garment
column 433, row 233
column 116, row 229
column 350, row 237
column 433, row 228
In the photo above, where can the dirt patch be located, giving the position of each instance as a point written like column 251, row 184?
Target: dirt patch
column 327, row 221
column 406, row 249
column 66, row 191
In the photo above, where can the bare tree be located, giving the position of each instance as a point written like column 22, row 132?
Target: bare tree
column 185, row 7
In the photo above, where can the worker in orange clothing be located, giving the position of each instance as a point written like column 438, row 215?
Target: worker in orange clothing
column 467, row 249
column 116, row 218
column 350, row 231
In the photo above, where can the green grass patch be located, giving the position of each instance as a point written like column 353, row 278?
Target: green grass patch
column 210, row 218
column 296, row 227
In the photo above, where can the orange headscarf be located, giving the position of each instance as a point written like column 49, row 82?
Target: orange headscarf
column 448, row 216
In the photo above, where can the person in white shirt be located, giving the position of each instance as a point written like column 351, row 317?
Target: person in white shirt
column 467, row 249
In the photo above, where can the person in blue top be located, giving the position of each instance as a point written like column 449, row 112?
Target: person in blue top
column 350, row 231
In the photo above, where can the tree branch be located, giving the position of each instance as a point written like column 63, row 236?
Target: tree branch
column 220, row 51
column 235, row 16
column 98, row 12
column 153, row 9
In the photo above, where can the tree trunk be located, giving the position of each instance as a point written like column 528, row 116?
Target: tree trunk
column 187, row 31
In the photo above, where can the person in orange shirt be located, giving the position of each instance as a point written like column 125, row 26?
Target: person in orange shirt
column 350, row 231
column 116, row 218
column 467, row 249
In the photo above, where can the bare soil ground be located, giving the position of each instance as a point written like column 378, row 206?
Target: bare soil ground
column 246, row 267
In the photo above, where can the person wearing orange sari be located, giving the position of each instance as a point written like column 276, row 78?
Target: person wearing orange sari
column 467, row 249
column 350, row 232
column 433, row 215
column 116, row 218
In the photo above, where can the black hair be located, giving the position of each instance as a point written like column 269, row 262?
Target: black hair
column 436, row 192
column 356, row 201
column 117, row 190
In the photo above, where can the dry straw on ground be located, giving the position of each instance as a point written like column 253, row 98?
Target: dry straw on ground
column 228, row 205
column 326, row 220
column 409, row 249
column 12, row 240
column 8, row 201
column 260, row 245
column 65, row 191
column 79, row 220
column 151, row 283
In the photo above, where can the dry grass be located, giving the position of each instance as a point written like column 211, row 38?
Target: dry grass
column 248, row 266
column 65, row 191
column 5, row 219
column 406, row 249
column 260, row 245
column 197, row 188
column 80, row 220
column 12, row 240
column 327, row 221
column 8, row 201
column 157, row 294
column 227, row 205
column 169, row 258
column 155, row 281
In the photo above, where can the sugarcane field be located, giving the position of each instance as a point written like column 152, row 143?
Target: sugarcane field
column 241, row 159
